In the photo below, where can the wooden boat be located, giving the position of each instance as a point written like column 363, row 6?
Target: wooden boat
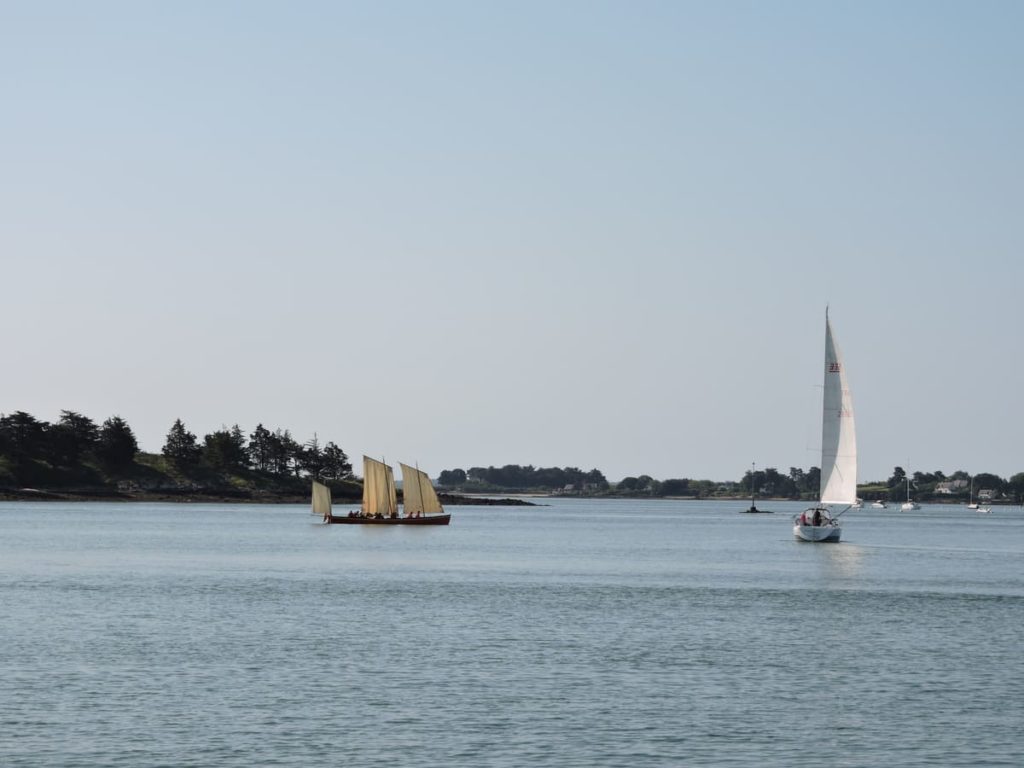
column 380, row 499
column 838, row 451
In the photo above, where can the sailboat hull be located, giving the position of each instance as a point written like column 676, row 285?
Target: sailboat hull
column 425, row 520
column 817, row 533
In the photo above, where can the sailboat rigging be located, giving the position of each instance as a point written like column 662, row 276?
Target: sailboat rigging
column 380, row 498
column 972, row 504
column 838, row 451
column 909, row 504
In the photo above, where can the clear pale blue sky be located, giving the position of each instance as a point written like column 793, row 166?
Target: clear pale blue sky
column 577, row 234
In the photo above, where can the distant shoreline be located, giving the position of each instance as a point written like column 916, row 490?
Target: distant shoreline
column 448, row 499
column 221, row 497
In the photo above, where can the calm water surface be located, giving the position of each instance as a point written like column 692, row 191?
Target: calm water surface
column 583, row 633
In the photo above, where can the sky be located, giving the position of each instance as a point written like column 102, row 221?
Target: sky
column 588, row 234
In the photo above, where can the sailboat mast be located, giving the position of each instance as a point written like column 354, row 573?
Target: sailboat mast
column 419, row 485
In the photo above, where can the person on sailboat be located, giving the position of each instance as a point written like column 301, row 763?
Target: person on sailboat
column 817, row 517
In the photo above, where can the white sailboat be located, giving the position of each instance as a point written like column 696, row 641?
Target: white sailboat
column 879, row 505
column 972, row 504
column 909, row 504
column 838, row 451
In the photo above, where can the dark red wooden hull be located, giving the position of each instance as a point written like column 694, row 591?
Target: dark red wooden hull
column 426, row 520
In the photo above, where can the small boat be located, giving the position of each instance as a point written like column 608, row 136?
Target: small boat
column 985, row 510
column 879, row 505
column 858, row 504
column 380, row 499
column 838, row 451
column 753, row 507
column 909, row 504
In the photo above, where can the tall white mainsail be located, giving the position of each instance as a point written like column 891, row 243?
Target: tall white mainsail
column 321, row 499
column 379, row 496
column 838, row 436
column 418, row 492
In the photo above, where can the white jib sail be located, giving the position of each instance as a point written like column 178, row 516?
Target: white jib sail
column 418, row 492
column 379, row 495
column 321, row 499
column 838, row 436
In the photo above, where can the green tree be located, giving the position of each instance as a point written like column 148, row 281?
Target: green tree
column 261, row 448
column 676, row 487
column 985, row 481
column 22, row 436
column 311, row 458
column 225, row 449
column 1015, row 486
column 284, row 453
column 627, row 484
column 813, row 482
column 595, row 480
column 336, row 464
column 898, row 475
column 452, row 478
column 72, row 437
column 116, row 445
column 181, row 446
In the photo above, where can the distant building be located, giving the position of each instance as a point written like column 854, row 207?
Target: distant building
column 986, row 494
column 950, row 487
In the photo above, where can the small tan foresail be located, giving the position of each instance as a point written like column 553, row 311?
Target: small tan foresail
column 379, row 496
column 321, row 500
column 418, row 492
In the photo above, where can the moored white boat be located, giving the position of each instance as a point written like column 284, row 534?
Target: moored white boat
column 909, row 504
column 879, row 505
column 838, row 451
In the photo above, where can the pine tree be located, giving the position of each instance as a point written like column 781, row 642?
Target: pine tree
column 181, row 446
column 116, row 445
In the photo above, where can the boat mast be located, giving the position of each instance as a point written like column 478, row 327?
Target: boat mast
column 751, row 485
column 419, row 486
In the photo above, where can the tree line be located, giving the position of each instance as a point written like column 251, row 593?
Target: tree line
column 924, row 485
column 274, row 452
column 937, row 485
column 796, row 484
column 74, row 442
column 68, row 442
column 513, row 477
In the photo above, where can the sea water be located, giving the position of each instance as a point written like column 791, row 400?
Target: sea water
column 578, row 633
